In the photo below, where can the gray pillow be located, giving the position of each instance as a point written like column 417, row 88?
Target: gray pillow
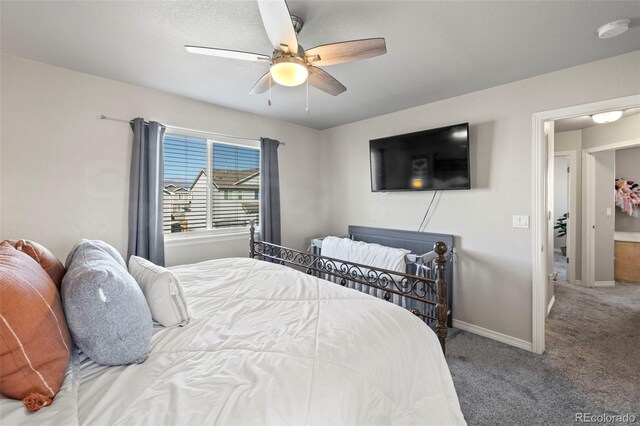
column 106, row 311
column 97, row 244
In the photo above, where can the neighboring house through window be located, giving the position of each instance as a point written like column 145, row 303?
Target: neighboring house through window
column 209, row 184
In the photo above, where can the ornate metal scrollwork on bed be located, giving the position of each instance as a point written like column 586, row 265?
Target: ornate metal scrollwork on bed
column 430, row 295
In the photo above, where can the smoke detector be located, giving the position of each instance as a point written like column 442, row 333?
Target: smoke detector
column 613, row 29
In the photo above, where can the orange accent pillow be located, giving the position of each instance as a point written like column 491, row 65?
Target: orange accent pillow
column 43, row 256
column 35, row 342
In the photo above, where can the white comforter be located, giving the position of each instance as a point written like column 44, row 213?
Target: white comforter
column 266, row 345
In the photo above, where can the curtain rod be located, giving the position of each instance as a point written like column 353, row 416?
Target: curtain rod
column 184, row 129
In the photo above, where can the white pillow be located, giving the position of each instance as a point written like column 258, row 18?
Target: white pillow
column 162, row 290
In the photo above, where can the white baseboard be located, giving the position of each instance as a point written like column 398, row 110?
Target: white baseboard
column 551, row 302
column 604, row 284
column 493, row 335
column 578, row 282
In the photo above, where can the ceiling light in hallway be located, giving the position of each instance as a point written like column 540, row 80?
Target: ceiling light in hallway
column 606, row 117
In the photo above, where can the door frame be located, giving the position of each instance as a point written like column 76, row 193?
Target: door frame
column 538, row 218
column 573, row 207
column 589, row 206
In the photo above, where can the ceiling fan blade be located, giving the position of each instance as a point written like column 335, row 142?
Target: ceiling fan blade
column 224, row 53
column 261, row 85
column 277, row 21
column 346, row 51
column 320, row 79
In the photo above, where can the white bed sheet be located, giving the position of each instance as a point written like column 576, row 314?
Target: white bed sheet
column 266, row 345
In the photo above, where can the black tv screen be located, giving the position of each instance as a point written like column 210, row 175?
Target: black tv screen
column 428, row 160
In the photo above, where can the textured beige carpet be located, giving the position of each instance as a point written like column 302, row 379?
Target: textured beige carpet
column 591, row 363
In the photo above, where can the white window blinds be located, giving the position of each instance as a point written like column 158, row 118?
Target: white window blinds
column 235, row 183
column 209, row 185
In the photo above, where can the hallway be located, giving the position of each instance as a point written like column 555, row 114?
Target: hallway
column 560, row 265
column 591, row 363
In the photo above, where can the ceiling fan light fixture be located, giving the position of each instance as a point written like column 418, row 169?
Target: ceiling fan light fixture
column 290, row 64
column 289, row 71
column 606, row 117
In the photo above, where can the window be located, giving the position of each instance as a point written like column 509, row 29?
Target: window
column 209, row 184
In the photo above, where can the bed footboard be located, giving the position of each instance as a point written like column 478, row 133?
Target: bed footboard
column 388, row 283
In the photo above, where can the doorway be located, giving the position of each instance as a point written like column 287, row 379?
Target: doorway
column 540, row 222
column 600, row 231
column 564, row 214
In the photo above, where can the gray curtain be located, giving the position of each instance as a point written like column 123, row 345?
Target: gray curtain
column 145, row 192
column 269, row 191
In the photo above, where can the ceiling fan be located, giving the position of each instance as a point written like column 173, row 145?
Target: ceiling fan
column 290, row 64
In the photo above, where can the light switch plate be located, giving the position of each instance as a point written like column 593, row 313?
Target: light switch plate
column 520, row 221
column 608, row 211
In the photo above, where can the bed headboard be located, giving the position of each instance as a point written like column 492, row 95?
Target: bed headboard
column 418, row 242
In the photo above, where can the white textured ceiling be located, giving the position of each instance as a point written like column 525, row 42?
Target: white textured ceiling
column 436, row 49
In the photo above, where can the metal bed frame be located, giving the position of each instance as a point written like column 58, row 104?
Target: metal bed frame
column 433, row 312
column 417, row 243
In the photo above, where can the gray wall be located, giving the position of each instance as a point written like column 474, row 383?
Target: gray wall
column 605, row 224
column 494, row 272
column 65, row 173
column 628, row 167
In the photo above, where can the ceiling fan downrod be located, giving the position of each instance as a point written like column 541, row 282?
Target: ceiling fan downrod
column 297, row 22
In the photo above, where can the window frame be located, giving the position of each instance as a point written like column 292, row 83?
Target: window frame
column 202, row 236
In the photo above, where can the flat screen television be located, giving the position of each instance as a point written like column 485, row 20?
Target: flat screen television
column 428, row 160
